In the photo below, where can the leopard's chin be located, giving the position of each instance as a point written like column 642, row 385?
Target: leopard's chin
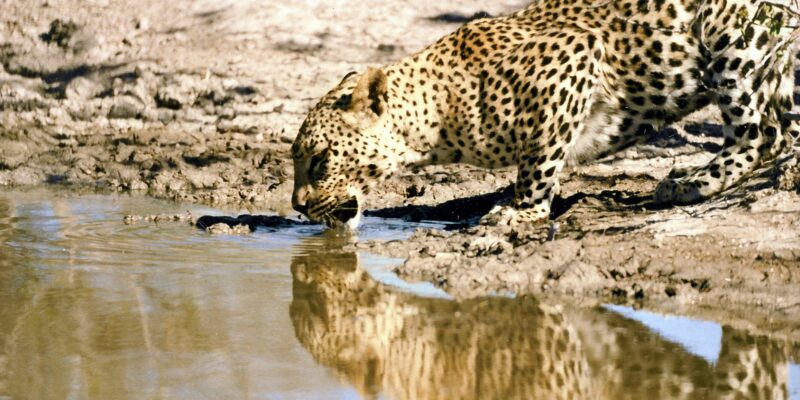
column 352, row 223
column 349, row 225
column 345, row 216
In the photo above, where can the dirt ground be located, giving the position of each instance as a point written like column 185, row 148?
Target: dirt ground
column 199, row 101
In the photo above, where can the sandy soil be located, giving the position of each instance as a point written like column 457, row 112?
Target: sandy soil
column 199, row 101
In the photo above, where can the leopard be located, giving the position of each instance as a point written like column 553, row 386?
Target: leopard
column 559, row 83
column 387, row 342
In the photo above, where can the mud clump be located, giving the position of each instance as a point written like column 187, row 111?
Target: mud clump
column 251, row 222
column 221, row 225
column 158, row 218
column 60, row 32
column 788, row 175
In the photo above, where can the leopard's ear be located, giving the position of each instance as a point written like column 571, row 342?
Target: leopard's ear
column 349, row 74
column 370, row 92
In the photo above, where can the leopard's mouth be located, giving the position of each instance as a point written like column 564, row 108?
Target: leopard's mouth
column 338, row 215
column 346, row 211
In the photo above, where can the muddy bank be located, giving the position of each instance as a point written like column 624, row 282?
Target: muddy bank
column 199, row 102
column 81, row 109
column 745, row 254
column 735, row 260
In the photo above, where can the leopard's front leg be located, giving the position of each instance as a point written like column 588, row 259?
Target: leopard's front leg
column 555, row 118
column 537, row 183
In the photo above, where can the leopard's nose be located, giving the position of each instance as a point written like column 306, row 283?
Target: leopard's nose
column 300, row 201
column 301, row 208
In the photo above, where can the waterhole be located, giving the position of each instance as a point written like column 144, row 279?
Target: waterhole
column 93, row 308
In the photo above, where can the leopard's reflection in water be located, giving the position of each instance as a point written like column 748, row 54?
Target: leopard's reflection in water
column 389, row 343
column 384, row 341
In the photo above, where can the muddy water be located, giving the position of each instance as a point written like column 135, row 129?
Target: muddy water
column 93, row 308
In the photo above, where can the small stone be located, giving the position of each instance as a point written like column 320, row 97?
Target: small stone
column 125, row 108
column 150, row 114
column 175, row 185
column 82, row 112
column 166, row 116
column 86, row 165
column 56, row 112
column 13, row 154
column 788, row 175
column 138, row 185
column 387, row 48
column 143, row 24
column 176, row 93
column 82, row 88
column 488, row 245
column 224, row 229
column 169, row 98
column 200, row 179
column 226, row 113
column 25, row 176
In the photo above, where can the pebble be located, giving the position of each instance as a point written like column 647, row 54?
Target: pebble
column 125, row 108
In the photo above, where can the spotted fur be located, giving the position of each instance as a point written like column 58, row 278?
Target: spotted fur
column 558, row 82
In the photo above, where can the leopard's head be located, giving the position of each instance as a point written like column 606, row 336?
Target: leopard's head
column 344, row 146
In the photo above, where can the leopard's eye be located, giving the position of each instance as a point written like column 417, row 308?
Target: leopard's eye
column 316, row 167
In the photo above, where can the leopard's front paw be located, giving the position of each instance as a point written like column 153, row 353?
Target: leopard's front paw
column 510, row 216
column 678, row 191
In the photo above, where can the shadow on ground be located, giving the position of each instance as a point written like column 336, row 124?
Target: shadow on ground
column 466, row 211
column 462, row 213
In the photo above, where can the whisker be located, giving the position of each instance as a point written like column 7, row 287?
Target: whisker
column 329, row 220
column 322, row 207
